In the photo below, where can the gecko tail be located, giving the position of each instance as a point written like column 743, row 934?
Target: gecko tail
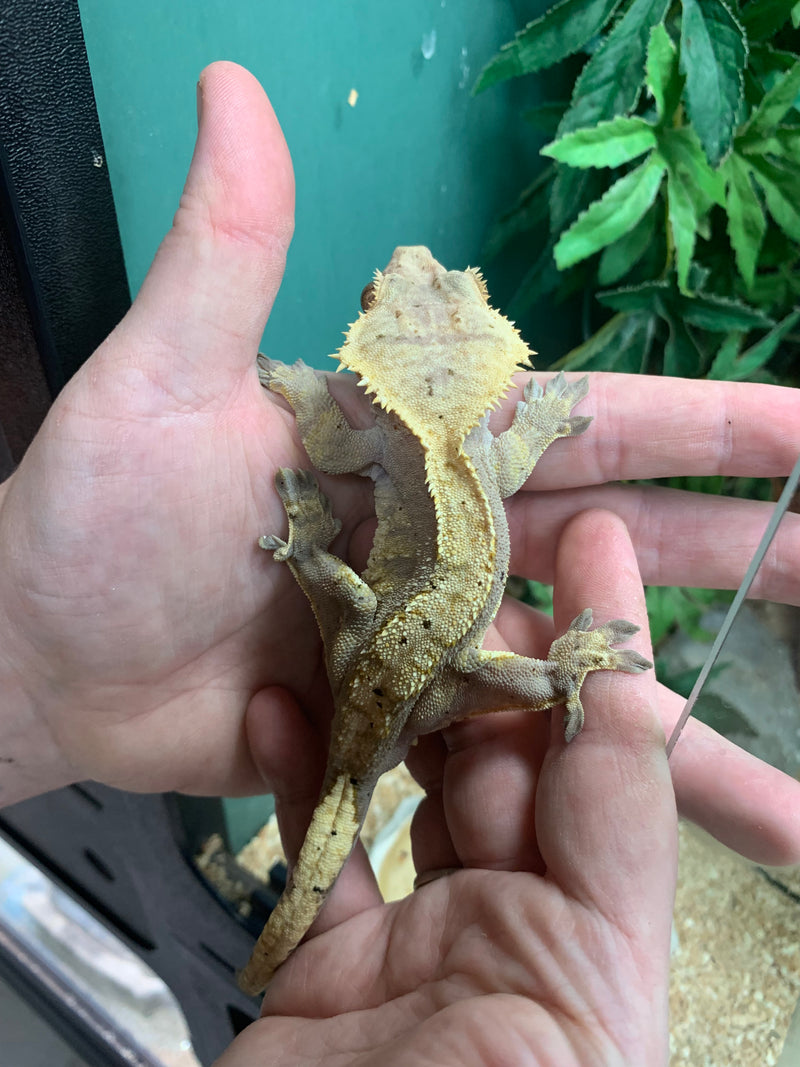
column 329, row 840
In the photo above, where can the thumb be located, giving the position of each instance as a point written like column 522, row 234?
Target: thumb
column 211, row 286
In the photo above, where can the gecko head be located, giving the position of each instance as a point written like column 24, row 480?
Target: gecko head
column 428, row 346
column 413, row 272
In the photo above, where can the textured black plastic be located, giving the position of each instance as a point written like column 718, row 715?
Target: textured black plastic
column 55, row 184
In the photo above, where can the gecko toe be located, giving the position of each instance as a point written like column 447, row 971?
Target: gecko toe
column 582, row 621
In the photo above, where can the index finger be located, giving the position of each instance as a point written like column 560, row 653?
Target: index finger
column 648, row 426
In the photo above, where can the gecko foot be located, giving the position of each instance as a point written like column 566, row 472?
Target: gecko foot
column 293, row 381
column 582, row 650
column 544, row 415
column 559, row 395
column 312, row 526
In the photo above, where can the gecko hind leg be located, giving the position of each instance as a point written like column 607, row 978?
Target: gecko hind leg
column 480, row 681
column 582, row 650
column 312, row 525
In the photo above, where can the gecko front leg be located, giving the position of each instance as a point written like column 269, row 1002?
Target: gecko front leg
column 541, row 417
column 332, row 444
column 343, row 603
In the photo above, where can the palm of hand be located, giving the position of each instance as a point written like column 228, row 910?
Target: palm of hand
column 141, row 587
column 478, row 968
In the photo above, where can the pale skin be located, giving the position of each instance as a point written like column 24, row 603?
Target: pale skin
column 148, row 643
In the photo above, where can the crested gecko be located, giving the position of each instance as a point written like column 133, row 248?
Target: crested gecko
column 402, row 641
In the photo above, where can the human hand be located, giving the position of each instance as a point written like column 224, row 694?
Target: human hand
column 139, row 612
column 139, row 617
column 550, row 944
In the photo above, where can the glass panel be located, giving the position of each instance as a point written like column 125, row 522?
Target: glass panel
column 92, row 960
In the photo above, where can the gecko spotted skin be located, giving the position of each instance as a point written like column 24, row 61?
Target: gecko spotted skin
column 403, row 640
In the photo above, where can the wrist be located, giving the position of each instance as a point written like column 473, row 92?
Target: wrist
column 31, row 761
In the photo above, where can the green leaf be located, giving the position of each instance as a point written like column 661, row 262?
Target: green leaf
column 713, row 56
column 721, row 314
column 781, row 187
column 622, row 344
column 749, row 488
column 699, row 275
column 559, row 33
column 617, row 212
column 711, row 485
column 680, row 681
column 722, row 367
column 537, row 594
column 661, row 622
column 683, row 357
column 541, row 279
column 763, row 18
column 630, row 298
column 530, row 210
column 624, row 254
column 780, row 98
column 545, row 117
column 663, row 77
column 683, row 152
column 777, row 289
column 688, row 607
column 730, row 366
column 746, row 221
column 611, row 81
column 788, row 138
column 609, row 144
column 785, row 142
column 692, row 188
column 779, row 251
column 573, row 190
column 682, row 224
column 766, row 61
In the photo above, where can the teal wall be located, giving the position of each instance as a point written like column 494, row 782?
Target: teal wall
column 417, row 160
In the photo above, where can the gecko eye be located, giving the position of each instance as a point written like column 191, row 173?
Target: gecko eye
column 368, row 296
